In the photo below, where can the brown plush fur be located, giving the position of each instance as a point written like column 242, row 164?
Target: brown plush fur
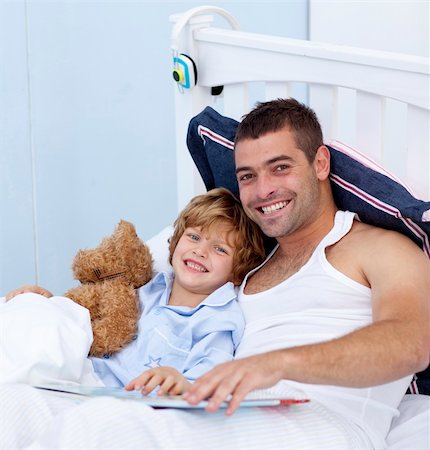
column 109, row 276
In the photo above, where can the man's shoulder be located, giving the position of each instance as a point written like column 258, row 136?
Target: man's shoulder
column 379, row 243
column 366, row 250
column 371, row 234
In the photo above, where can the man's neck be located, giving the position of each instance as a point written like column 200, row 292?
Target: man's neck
column 293, row 253
column 310, row 235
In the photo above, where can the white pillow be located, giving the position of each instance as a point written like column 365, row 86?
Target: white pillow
column 159, row 246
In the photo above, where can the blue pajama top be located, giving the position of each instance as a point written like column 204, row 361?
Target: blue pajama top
column 192, row 340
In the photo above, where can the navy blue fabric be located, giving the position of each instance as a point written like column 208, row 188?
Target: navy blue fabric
column 382, row 188
column 214, row 159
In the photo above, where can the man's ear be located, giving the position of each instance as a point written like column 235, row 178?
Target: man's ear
column 322, row 162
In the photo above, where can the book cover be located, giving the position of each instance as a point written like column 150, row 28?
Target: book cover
column 166, row 401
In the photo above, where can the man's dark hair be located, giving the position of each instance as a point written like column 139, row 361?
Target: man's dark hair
column 272, row 116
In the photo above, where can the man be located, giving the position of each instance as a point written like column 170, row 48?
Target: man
column 282, row 170
column 338, row 313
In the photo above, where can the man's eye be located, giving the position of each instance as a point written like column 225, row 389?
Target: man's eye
column 246, row 177
column 281, row 167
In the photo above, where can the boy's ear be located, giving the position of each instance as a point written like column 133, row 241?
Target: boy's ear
column 322, row 163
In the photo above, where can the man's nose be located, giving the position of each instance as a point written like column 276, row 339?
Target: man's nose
column 265, row 186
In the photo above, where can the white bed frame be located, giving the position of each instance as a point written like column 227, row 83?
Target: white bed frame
column 377, row 102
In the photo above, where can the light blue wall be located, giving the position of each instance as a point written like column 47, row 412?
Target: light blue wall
column 87, row 126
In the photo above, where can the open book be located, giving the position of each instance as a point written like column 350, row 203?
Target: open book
column 167, row 401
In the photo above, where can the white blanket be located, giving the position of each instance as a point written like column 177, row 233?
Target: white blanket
column 45, row 341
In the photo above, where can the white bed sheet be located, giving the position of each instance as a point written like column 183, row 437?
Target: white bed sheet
column 411, row 430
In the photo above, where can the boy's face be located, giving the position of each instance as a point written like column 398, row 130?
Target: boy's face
column 203, row 261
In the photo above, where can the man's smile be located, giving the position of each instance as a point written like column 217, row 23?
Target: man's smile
column 268, row 209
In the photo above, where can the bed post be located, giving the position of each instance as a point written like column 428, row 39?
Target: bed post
column 187, row 105
column 189, row 102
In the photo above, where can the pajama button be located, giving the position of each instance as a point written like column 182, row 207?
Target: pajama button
column 157, row 311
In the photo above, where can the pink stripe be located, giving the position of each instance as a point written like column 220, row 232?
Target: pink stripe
column 368, row 198
column 413, row 386
column 203, row 131
column 361, row 157
column 380, row 205
column 386, row 208
column 368, row 162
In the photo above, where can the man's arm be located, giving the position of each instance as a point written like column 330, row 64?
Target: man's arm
column 396, row 344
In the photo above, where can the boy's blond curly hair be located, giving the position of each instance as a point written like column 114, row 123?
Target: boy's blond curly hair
column 221, row 206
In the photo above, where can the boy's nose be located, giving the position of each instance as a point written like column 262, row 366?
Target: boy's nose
column 201, row 250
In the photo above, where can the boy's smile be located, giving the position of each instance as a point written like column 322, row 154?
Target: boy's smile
column 202, row 262
column 195, row 266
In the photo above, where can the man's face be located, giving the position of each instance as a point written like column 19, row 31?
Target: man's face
column 278, row 186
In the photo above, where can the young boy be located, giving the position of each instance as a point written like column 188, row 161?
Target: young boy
column 190, row 319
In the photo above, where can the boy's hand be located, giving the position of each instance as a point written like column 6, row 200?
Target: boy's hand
column 169, row 379
column 26, row 289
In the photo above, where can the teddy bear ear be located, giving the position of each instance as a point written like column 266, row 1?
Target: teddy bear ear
column 124, row 230
column 81, row 267
column 137, row 255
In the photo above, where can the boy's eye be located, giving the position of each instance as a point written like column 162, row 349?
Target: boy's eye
column 221, row 249
column 193, row 236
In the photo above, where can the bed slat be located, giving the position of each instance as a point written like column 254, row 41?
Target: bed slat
column 236, row 100
column 369, row 125
column 418, row 163
column 344, row 115
column 394, row 138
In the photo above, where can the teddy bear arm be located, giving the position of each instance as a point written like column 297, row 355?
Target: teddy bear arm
column 86, row 295
column 117, row 318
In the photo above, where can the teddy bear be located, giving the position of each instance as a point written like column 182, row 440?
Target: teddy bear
column 109, row 276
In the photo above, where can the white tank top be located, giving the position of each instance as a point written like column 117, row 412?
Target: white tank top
column 316, row 304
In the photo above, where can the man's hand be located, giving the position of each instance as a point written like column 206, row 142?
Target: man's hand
column 26, row 289
column 235, row 378
column 169, row 379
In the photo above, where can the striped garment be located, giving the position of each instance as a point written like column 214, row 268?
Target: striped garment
column 34, row 419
